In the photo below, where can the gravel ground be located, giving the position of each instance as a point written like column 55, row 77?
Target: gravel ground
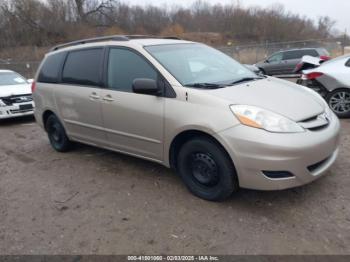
column 95, row 201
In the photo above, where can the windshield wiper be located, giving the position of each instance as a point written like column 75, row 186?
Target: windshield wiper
column 206, row 85
column 245, row 79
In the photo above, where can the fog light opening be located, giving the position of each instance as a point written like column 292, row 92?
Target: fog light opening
column 278, row 174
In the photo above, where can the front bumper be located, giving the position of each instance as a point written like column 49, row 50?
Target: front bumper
column 306, row 156
column 17, row 110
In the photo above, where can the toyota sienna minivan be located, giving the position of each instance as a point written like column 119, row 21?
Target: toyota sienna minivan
column 186, row 106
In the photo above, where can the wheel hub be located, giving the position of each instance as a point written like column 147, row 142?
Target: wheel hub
column 55, row 133
column 204, row 169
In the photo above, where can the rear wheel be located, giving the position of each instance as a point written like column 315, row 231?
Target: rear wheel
column 206, row 169
column 57, row 135
column 339, row 102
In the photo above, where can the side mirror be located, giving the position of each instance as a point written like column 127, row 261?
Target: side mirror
column 146, row 86
column 30, row 81
column 267, row 61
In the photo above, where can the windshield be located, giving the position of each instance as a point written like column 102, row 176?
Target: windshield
column 11, row 78
column 193, row 64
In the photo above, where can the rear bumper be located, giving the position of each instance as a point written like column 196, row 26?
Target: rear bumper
column 305, row 156
column 15, row 110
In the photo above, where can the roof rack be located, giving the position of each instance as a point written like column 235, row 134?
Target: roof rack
column 109, row 38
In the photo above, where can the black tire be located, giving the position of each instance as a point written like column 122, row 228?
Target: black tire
column 206, row 169
column 57, row 135
column 339, row 102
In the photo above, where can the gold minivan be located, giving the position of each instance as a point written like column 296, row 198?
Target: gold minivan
column 189, row 107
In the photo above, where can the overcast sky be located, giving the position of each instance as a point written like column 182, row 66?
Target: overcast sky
column 338, row 10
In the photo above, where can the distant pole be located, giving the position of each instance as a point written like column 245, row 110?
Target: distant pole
column 344, row 41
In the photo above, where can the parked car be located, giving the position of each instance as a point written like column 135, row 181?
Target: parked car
column 284, row 62
column 331, row 80
column 15, row 95
column 187, row 106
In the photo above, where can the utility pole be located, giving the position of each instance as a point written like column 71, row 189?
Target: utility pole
column 344, row 41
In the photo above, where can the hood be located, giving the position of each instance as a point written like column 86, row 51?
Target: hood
column 10, row 90
column 283, row 97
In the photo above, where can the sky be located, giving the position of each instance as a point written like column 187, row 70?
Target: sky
column 338, row 10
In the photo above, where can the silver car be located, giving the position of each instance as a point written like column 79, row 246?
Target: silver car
column 284, row 62
column 186, row 106
column 332, row 80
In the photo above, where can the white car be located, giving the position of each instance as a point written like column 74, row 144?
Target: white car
column 15, row 95
column 331, row 80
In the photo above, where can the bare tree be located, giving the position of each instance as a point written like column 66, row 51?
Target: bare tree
column 42, row 23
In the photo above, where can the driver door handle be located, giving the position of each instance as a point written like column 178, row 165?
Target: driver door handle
column 108, row 98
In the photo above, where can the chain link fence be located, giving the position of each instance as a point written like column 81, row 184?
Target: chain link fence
column 247, row 54
column 250, row 54
column 25, row 68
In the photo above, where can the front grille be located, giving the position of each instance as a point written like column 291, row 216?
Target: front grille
column 315, row 123
column 318, row 128
column 17, row 111
column 17, row 99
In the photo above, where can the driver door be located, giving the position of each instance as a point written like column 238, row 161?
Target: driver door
column 133, row 122
column 273, row 65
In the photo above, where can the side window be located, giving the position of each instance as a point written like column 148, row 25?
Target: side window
column 51, row 67
column 276, row 58
column 83, row 67
column 292, row 55
column 310, row 52
column 124, row 66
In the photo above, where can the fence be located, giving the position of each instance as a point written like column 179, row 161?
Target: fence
column 27, row 69
column 250, row 54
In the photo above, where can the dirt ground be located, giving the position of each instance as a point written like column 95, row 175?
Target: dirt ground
column 92, row 201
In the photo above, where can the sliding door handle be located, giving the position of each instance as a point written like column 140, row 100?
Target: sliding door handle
column 94, row 96
column 108, row 98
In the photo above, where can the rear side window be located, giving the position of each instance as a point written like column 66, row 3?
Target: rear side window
column 83, row 67
column 124, row 66
column 298, row 54
column 49, row 72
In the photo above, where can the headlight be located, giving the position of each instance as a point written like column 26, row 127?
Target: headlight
column 260, row 118
column 2, row 103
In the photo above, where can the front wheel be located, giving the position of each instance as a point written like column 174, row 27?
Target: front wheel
column 57, row 135
column 207, row 170
column 339, row 102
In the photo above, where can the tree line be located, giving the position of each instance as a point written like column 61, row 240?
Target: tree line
column 46, row 22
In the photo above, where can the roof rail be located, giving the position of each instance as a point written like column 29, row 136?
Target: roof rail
column 130, row 37
column 91, row 40
column 109, row 38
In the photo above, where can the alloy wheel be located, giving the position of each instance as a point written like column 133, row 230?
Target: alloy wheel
column 340, row 102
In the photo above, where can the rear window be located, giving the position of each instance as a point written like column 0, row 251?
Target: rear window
column 83, row 67
column 298, row 54
column 50, row 70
